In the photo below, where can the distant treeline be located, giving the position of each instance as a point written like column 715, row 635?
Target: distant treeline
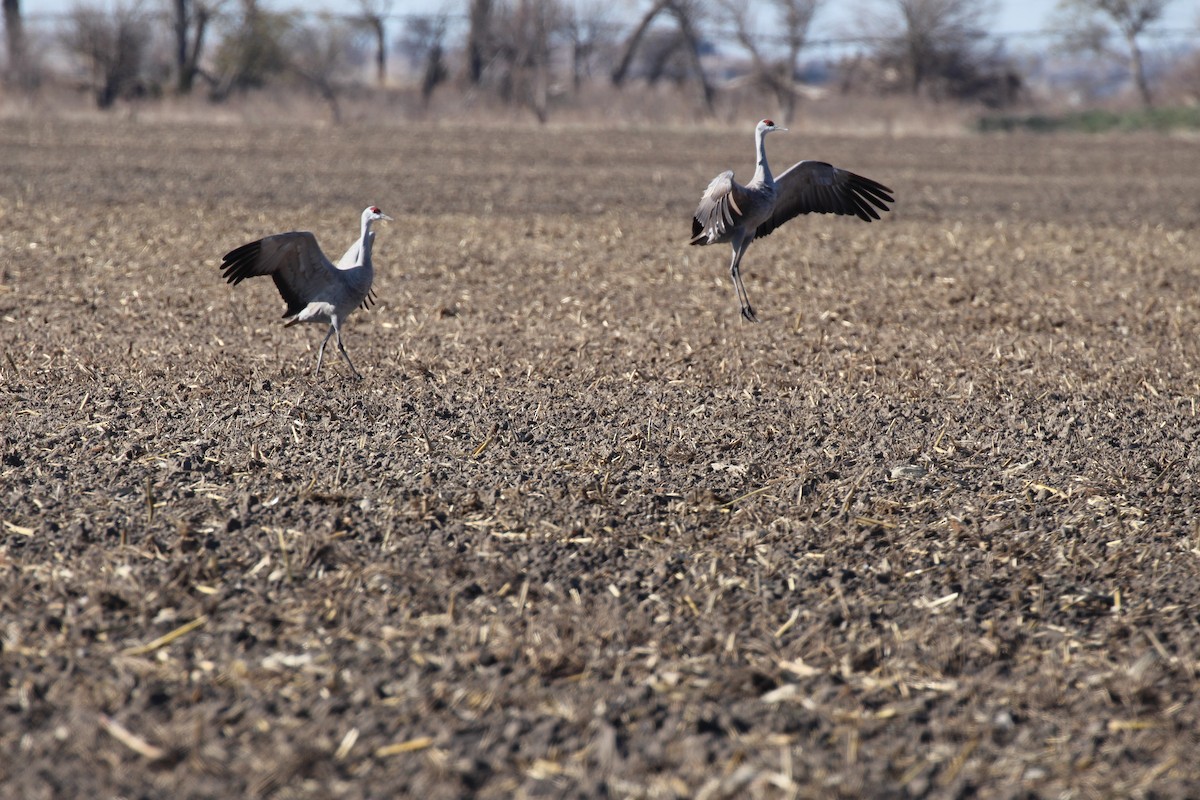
column 542, row 55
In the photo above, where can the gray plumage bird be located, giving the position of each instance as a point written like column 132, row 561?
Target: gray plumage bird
column 314, row 289
column 736, row 214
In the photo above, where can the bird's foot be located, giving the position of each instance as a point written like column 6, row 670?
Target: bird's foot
column 748, row 314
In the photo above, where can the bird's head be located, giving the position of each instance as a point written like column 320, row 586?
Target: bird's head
column 766, row 126
column 372, row 214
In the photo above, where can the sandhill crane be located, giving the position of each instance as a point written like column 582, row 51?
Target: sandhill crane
column 730, row 212
column 314, row 289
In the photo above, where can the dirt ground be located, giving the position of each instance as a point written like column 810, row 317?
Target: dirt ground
column 930, row 529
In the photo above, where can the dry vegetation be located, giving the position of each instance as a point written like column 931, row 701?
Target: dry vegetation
column 930, row 529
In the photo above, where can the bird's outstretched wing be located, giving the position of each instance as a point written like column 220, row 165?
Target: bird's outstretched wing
column 294, row 260
column 814, row 187
column 721, row 207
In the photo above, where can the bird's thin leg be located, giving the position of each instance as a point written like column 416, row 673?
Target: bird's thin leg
column 321, row 352
column 346, row 355
column 735, row 272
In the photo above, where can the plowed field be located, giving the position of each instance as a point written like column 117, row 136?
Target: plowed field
column 930, row 529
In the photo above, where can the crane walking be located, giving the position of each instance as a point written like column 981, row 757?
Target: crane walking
column 736, row 214
column 314, row 289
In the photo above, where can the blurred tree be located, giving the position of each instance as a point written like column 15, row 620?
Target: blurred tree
column 18, row 70
column 189, row 24
column 374, row 15
column 251, row 50
column 935, row 37
column 1091, row 23
column 480, row 39
column 435, row 71
column 510, row 48
column 586, row 25
column 936, row 48
column 686, row 14
column 112, row 47
column 321, row 53
column 779, row 76
column 523, row 52
column 662, row 55
column 423, row 43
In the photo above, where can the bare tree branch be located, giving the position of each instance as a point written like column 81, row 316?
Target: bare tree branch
column 113, row 46
column 933, row 44
column 374, row 15
column 320, row 54
column 251, row 50
column 779, row 76
column 1091, row 22
column 586, row 27
column 686, row 13
column 423, row 42
column 189, row 24
column 479, row 39
column 621, row 71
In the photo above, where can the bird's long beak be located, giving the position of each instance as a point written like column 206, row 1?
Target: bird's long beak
column 386, row 217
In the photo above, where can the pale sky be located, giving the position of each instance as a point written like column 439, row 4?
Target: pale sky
column 1013, row 16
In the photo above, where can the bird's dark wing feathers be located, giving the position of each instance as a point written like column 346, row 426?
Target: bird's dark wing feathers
column 293, row 260
column 814, row 187
column 720, row 208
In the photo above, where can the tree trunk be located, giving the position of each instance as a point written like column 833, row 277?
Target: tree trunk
column 789, row 99
column 19, row 72
column 330, row 95
column 780, row 84
column 580, row 51
column 478, row 39
column 435, row 73
column 692, row 44
column 192, row 65
column 180, row 25
column 635, row 38
column 785, row 93
column 189, row 25
column 916, row 65
column 377, row 27
column 1138, row 68
column 540, row 90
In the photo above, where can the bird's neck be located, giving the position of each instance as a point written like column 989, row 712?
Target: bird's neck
column 364, row 243
column 762, row 172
